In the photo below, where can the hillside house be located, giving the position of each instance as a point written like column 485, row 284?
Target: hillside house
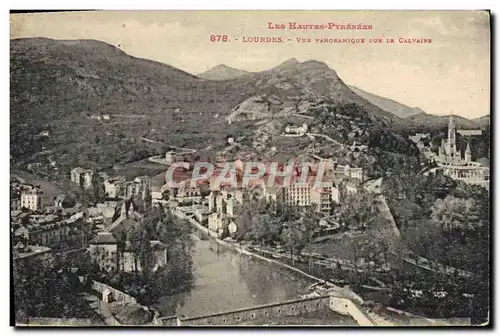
column 296, row 130
column 82, row 177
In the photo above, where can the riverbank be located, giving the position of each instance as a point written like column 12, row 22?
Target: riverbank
column 334, row 288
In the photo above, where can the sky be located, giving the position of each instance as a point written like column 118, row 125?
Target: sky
column 451, row 75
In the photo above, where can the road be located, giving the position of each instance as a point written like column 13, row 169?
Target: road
column 183, row 149
column 325, row 137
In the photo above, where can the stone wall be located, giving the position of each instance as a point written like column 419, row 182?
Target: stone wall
column 290, row 308
column 341, row 305
column 345, row 306
column 117, row 295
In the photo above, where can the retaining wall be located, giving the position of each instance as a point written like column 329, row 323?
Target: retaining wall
column 117, row 295
column 290, row 308
column 339, row 305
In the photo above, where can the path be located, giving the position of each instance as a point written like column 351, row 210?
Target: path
column 326, row 137
column 183, row 149
column 302, row 115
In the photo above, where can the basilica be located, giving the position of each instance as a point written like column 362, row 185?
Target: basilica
column 458, row 167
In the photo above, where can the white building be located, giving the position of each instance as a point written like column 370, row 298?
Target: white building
column 82, row 177
column 31, row 198
column 298, row 130
column 114, row 186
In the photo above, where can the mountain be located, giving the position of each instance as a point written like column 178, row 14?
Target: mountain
column 58, row 85
column 222, row 72
column 436, row 121
column 293, row 81
column 387, row 104
column 483, row 121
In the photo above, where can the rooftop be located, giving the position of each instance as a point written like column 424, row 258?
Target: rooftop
column 103, row 238
column 31, row 251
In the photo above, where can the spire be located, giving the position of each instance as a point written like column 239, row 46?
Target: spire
column 467, row 150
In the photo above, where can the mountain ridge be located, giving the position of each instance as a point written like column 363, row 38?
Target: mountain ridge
column 222, row 72
column 58, row 84
column 388, row 104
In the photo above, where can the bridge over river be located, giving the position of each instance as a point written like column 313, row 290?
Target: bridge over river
column 226, row 280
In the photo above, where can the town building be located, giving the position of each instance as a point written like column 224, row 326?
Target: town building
column 469, row 132
column 82, row 177
column 187, row 193
column 219, row 223
column 173, row 157
column 325, row 197
column 31, row 197
column 113, row 187
column 138, row 188
column 62, row 201
column 51, row 230
column 103, row 251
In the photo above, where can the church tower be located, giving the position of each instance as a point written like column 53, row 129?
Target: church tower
column 452, row 139
column 468, row 156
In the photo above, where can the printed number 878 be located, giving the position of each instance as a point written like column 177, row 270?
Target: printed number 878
column 219, row 38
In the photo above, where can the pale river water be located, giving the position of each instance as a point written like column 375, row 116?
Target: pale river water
column 226, row 280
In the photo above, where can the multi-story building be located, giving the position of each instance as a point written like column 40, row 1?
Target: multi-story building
column 51, row 230
column 219, row 222
column 31, row 198
column 187, row 193
column 297, row 194
column 82, row 177
column 103, row 251
column 113, row 187
column 325, row 197
column 173, row 157
column 340, row 172
column 139, row 187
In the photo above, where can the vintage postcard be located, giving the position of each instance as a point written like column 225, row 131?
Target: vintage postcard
column 250, row 168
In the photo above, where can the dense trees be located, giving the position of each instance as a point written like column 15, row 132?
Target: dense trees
column 149, row 285
column 275, row 223
column 42, row 292
column 357, row 210
column 452, row 213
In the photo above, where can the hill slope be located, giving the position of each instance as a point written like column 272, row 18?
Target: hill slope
column 222, row 72
column 436, row 121
column 56, row 85
column 387, row 104
column 483, row 121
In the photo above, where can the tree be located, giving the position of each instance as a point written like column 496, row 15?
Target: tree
column 358, row 210
column 452, row 213
column 98, row 187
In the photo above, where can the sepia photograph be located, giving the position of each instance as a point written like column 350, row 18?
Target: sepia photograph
column 254, row 168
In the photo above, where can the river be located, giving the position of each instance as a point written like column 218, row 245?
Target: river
column 226, row 280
